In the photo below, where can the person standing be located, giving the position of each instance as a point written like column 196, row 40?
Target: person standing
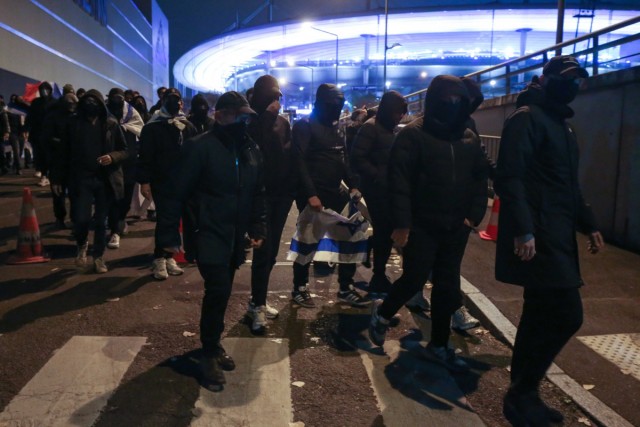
column 199, row 114
column 370, row 159
column 221, row 172
column 161, row 140
column 321, row 162
column 541, row 210
column 438, row 187
column 272, row 133
column 34, row 125
column 91, row 151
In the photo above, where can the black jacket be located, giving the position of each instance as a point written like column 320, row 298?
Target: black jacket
column 537, row 181
column 64, row 169
column 222, row 180
column 436, row 183
column 370, row 158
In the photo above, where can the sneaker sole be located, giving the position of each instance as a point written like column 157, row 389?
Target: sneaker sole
column 356, row 304
column 466, row 327
column 303, row 304
column 175, row 273
column 160, row 277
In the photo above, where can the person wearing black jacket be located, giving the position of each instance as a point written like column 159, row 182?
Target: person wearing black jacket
column 321, row 162
column 370, row 159
column 542, row 209
column 272, row 133
column 160, row 144
column 16, row 112
column 438, row 187
column 221, row 172
column 199, row 114
column 34, row 125
column 91, row 151
column 158, row 105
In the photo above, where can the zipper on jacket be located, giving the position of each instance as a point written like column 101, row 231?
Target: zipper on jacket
column 453, row 163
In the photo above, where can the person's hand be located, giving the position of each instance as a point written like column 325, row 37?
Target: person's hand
column 527, row 250
column 256, row 243
column 400, row 237
column 105, row 160
column 145, row 190
column 274, row 107
column 596, row 242
column 315, row 203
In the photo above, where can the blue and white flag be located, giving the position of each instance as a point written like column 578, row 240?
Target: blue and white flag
column 330, row 237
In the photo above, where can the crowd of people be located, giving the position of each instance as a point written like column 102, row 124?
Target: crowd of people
column 228, row 181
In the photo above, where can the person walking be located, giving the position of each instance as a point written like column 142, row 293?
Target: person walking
column 221, row 172
column 541, row 210
column 34, row 125
column 438, row 187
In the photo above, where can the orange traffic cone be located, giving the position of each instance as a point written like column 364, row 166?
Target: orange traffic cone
column 179, row 256
column 491, row 233
column 29, row 247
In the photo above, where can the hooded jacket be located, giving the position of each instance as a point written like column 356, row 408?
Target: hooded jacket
column 37, row 112
column 437, row 175
column 537, row 181
column 202, row 122
column 65, row 167
column 272, row 133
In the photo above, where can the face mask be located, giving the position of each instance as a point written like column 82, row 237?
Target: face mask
column 447, row 112
column 172, row 105
column 562, row 90
column 90, row 107
column 44, row 93
column 116, row 106
column 201, row 111
column 236, row 129
column 328, row 113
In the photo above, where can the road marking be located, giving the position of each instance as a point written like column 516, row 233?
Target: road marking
column 621, row 349
column 258, row 391
column 412, row 392
column 74, row 385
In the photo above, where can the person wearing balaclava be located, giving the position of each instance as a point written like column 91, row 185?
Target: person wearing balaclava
column 199, row 114
column 542, row 208
column 131, row 124
column 160, row 144
column 33, row 125
column 438, row 191
column 221, row 173
column 92, row 148
column 321, row 161
column 272, row 133
column 140, row 104
column 55, row 123
column 370, row 159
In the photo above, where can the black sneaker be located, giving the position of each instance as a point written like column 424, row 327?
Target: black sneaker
column 446, row 357
column 212, row 373
column 380, row 284
column 224, row 360
column 378, row 326
column 353, row 298
column 527, row 410
column 302, row 297
column 418, row 304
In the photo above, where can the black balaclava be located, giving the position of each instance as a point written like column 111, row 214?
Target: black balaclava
column 140, row 104
column 391, row 104
column 91, row 105
column 45, row 90
column 115, row 102
column 70, row 102
column 171, row 101
column 561, row 90
column 442, row 117
column 199, row 107
column 328, row 105
column 265, row 90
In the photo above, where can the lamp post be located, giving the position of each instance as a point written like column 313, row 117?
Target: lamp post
column 337, row 39
column 386, row 47
column 312, row 82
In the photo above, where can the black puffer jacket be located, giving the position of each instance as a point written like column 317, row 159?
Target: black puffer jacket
column 537, row 181
column 435, row 182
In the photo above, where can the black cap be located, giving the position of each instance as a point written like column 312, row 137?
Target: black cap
column 116, row 91
column 330, row 94
column 561, row 65
column 172, row 91
column 234, row 101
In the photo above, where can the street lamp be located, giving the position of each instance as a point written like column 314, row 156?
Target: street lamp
column 337, row 39
column 386, row 47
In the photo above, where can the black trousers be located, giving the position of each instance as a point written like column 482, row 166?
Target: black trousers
column 264, row 258
column 435, row 252
column 119, row 208
column 382, row 228
column 85, row 193
column 218, row 280
column 550, row 317
column 17, row 145
column 59, row 203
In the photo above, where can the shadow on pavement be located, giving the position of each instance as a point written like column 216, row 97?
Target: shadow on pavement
column 14, row 288
column 86, row 294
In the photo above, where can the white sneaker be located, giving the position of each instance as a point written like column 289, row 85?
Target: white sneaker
column 44, row 181
column 38, row 174
column 114, row 242
column 100, row 266
column 81, row 257
column 159, row 267
column 172, row 267
column 462, row 320
column 258, row 316
column 271, row 312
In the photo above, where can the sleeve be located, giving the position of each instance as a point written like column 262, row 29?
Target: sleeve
column 360, row 153
column 60, row 162
column 258, row 217
column 301, row 139
column 146, row 155
column 119, row 154
column 479, row 187
column 261, row 131
column 516, row 150
column 402, row 167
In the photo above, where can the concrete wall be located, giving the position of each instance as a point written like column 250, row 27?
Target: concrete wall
column 607, row 123
column 58, row 41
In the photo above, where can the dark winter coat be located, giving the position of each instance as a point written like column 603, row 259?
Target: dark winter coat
column 370, row 158
column 223, row 180
column 65, row 170
column 537, row 181
column 54, row 127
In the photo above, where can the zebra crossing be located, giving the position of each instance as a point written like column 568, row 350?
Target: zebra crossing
column 74, row 386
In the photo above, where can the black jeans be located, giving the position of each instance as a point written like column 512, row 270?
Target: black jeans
column 381, row 240
column 119, row 208
column 439, row 253
column 264, row 258
column 84, row 193
column 218, row 280
column 549, row 319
